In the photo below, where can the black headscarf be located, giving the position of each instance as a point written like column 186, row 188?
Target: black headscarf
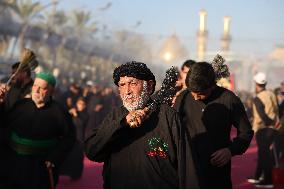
column 134, row 69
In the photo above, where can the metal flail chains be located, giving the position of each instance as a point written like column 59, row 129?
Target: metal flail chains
column 221, row 70
column 167, row 91
column 164, row 95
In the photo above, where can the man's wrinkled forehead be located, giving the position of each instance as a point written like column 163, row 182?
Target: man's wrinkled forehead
column 126, row 79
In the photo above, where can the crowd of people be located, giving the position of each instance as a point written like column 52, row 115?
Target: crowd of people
column 46, row 132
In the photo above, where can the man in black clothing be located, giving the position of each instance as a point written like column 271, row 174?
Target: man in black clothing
column 74, row 164
column 183, row 72
column 181, row 85
column 41, row 134
column 148, row 154
column 208, row 112
column 20, row 87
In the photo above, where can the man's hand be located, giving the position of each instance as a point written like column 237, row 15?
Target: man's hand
column 136, row 117
column 221, row 157
column 98, row 107
column 73, row 112
column 3, row 91
column 48, row 164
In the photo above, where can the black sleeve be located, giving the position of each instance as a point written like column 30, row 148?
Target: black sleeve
column 260, row 108
column 180, row 100
column 99, row 145
column 66, row 140
column 241, row 122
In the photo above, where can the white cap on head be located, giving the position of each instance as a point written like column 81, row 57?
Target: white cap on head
column 260, row 78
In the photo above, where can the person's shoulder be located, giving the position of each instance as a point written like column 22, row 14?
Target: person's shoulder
column 21, row 104
column 180, row 98
column 266, row 93
column 229, row 96
column 183, row 93
column 23, row 101
column 167, row 110
column 271, row 92
column 227, row 92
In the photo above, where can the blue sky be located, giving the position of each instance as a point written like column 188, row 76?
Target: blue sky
column 252, row 21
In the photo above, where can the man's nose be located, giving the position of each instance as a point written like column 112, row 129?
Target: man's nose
column 128, row 89
column 36, row 89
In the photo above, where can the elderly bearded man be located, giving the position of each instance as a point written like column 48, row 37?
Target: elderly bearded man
column 41, row 134
column 151, row 155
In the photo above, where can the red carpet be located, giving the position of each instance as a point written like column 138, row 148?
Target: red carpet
column 91, row 178
column 242, row 167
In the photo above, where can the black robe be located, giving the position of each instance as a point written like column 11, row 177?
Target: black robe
column 74, row 164
column 14, row 94
column 209, row 124
column 3, row 151
column 37, row 124
column 151, row 156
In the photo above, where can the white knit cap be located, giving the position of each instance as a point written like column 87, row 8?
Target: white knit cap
column 260, row 78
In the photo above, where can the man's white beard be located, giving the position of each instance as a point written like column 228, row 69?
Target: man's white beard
column 138, row 104
column 38, row 99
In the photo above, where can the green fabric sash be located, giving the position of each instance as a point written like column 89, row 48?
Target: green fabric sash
column 26, row 146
